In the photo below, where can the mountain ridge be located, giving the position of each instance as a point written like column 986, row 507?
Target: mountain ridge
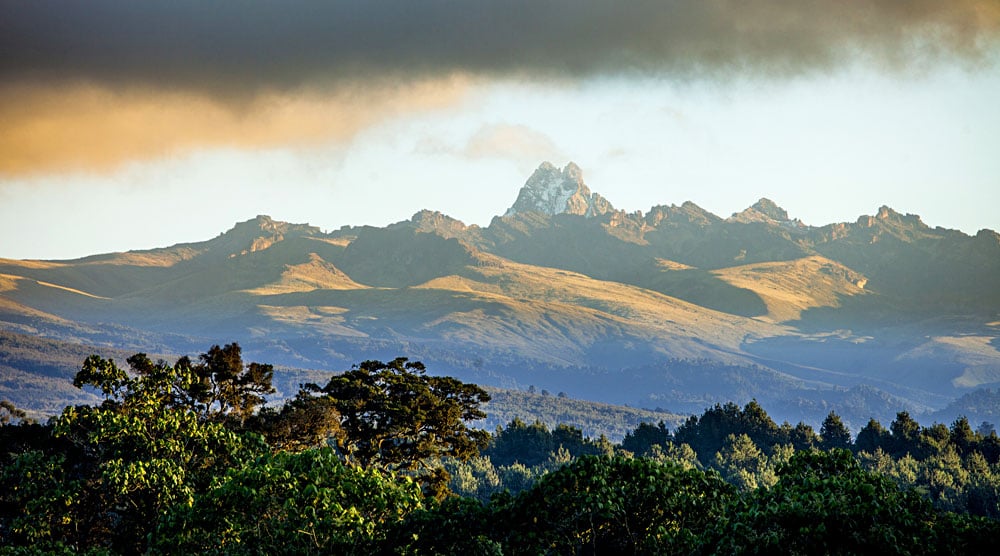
column 566, row 297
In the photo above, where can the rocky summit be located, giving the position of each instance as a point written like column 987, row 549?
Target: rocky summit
column 552, row 192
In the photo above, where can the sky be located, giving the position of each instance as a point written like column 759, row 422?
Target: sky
column 134, row 125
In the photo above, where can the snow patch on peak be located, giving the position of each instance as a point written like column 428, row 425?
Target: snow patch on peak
column 550, row 191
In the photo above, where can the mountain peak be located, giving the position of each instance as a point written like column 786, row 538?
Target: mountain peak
column 551, row 191
column 887, row 217
column 764, row 210
column 434, row 221
column 770, row 208
column 258, row 234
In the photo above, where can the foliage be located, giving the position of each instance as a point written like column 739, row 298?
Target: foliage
column 394, row 416
column 708, row 433
column 645, row 436
column 308, row 502
column 601, row 504
column 594, row 505
column 872, row 437
column 534, row 444
column 223, row 387
column 167, row 464
column 218, row 388
column 834, row 433
column 905, row 435
column 455, row 527
column 110, row 471
column 824, row 502
column 306, row 421
column 743, row 464
column 11, row 414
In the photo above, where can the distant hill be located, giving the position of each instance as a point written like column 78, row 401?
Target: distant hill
column 552, row 409
column 37, row 374
column 673, row 307
column 978, row 406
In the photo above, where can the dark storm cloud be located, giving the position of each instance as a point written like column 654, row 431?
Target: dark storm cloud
column 90, row 85
column 248, row 45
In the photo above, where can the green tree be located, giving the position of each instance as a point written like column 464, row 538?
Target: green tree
column 983, row 490
column 759, row 425
column 309, row 420
column 707, row 434
column 124, row 462
column 905, row 435
column 945, row 479
column 40, row 500
column 680, row 454
column 801, row 436
column 962, row 437
column 872, row 437
column 396, row 417
column 825, row 503
column 834, row 432
column 645, row 436
column 521, row 443
column 455, row 527
column 308, row 502
column 609, row 505
column 742, row 463
column 934, row 440
column 219, row 386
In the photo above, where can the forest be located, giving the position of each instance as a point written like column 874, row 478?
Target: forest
column 189, row 458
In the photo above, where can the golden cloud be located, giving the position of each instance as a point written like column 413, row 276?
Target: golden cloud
column 85, row 127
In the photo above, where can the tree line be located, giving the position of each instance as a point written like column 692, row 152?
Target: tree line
column 188, row 458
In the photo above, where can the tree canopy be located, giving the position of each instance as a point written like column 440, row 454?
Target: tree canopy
column 380, row 460
column 393, row 415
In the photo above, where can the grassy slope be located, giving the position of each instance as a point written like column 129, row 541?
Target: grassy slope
column 790, row 287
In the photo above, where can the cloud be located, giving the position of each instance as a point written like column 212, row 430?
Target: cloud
column 96, row 129
column 510, row 141
column 235, row 46
column 91, row 84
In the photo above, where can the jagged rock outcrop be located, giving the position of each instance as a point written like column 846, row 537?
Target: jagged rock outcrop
column 550, row 191
column 764, row 210
column 256, row 235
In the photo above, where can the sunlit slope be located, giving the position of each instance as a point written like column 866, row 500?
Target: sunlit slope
column 110, row 276
column 315, row 274
column 787, row 288
column 116, row 275
column 18, row 315
column 297, row 264
column 548, row 315
column 28, row 297
column 623, row 302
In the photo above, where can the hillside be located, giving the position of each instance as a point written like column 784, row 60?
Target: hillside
column 594, row 419
column 566, row 293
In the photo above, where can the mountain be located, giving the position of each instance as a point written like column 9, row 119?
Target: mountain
column 552, row 192
column 675, row 307
column 766, row 211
